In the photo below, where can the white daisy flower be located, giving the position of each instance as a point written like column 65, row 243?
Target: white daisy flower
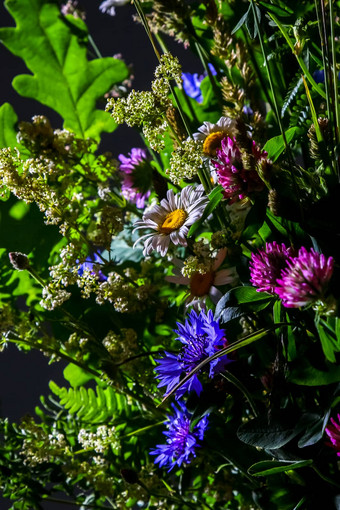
column 171, row 219
column 200, row 286
column 212, row 135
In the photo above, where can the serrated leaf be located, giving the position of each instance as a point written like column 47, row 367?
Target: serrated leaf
column 272, row 467
column 8, row 120
column 62, row 77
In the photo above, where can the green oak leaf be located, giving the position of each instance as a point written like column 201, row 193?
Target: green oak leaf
column 62, row 78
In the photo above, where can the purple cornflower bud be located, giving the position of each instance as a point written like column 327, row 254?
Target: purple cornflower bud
column 266, row 266
column 305, row 280
column 333, row 432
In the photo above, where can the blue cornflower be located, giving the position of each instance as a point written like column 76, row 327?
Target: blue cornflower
column 319, row 76
column 201, row 336
column 192, row 82
column 181, row 440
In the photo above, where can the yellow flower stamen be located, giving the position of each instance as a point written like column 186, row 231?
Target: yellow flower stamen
column 173, row 221
column 213, row 142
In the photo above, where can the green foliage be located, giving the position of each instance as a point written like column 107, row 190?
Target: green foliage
column 62, row 76
column 8, row 121
column 100, row 406
column 275, row 146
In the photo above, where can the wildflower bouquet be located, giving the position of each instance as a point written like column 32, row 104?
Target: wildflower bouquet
column 190, row 284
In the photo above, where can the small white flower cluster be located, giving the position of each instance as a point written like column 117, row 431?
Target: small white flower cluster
column 40, row 447
column 101, row 440
column 52, row 296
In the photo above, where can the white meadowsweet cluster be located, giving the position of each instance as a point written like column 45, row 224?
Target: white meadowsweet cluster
column 101, row 440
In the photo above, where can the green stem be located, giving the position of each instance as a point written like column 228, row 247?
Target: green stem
column 146, row 27
column 325, row 478
column 94, row 46
column 335, row 88
column 148, row 427
column 298, row 58
column 216, row 90
column 236, row 382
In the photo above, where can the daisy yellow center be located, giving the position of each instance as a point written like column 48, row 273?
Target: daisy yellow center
column 200, row 284
column 213, row 142
column 173, row 221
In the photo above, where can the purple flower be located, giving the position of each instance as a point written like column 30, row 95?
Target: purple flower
column 201, row 337
column 136, row 173
column 305, row 279
column 90, row 265
column 237, row 182
column 266, row 266
column 192, row 82
column 181, row 441
column 333, row 432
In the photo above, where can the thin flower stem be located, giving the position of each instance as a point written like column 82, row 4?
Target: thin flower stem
column 325, row 478
column 146, row 27
column 94, row 46
column 237, row 466
column 270, row 78
column 143, row 429
column 216, row 90
column 276, row 108
column 335, row 88
column 185, row 95
column 298, row 57
column 236, row 382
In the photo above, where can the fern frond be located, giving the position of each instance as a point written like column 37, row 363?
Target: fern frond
column 99, row 406
column 291, row 92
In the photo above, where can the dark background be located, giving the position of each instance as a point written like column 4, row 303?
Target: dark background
column 24, row 377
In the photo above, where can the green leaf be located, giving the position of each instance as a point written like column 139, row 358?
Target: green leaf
column 272, row 467
column 241, row 300
column 271, row 434
column 215, row 197
column 8, row 120
column 76, row 376
column 315, row 425
column 304, row 374
column 275, row 146
column 242, row 21
column 280, row 11
column 62, row 77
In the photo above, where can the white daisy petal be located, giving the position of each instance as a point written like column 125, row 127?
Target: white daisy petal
column 171, row 219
